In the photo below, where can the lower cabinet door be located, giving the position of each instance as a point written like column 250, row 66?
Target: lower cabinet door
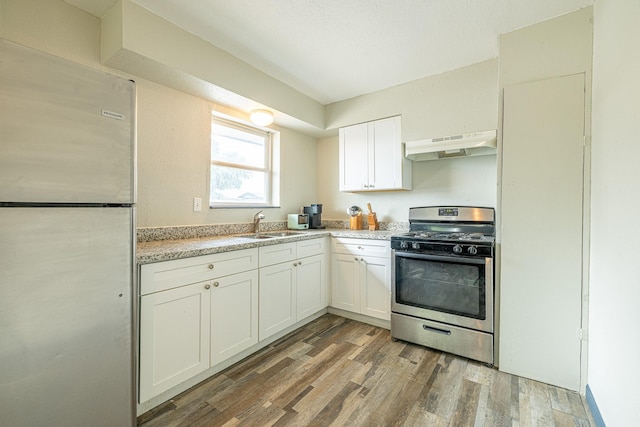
column 277, row 298
column 174, row 337
column 345, row 285
column 234, row 315
column 375, row 287
column 310, row 286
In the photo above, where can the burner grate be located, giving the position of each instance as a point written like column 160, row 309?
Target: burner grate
column 446, row 236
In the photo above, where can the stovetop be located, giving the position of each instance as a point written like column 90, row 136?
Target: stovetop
column 459, row 231
column 446, row 236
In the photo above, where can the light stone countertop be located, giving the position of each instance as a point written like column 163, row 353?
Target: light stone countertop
column 166, row 250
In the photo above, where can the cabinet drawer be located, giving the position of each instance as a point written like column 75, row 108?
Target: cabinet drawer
column 171, row 274
column 310, row 247
column 275, row 254
column 365, row 247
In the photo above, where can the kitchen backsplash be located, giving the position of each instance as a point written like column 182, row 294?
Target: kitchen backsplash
column 149, row 234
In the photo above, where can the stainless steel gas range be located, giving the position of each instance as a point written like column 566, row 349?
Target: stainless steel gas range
column 442, row 280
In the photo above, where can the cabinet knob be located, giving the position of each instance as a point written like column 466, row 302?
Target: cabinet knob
column 295, row 264
column 216, row 284
column 299, row 262
column 210, row 266
column 207, row 286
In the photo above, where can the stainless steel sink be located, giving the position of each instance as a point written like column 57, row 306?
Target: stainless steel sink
column 258, row 236
column 273, row 234
column 282, row 234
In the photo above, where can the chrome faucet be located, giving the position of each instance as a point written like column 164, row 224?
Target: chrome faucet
column 256, row 221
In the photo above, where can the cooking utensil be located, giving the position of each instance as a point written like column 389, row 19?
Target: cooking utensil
column 354, row 211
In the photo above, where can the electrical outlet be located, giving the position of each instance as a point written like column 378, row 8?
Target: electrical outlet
column 197, row 204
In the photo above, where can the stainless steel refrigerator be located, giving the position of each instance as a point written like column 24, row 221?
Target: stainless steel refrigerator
column 67, row 242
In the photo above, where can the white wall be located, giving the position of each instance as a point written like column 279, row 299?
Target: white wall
column 459, row 101
column 173, row 163
column 614, row 317
column 173, row 127
column 465, row 181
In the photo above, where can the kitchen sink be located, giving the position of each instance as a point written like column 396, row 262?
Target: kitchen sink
column 273, row 234
column 258, row 236
column 282, row 234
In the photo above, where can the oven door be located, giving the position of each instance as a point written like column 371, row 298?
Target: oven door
column 448, row 289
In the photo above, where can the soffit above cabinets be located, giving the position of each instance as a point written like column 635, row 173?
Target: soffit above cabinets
column 335, row 50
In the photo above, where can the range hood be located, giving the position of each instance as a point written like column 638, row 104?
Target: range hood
column 465, row 145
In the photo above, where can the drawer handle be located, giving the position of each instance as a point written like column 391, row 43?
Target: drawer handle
column 210, row 266
column 216, row 284
column 432, row 329
column 207, row 286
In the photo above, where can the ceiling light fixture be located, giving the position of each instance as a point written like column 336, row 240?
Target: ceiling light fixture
column 261, row 117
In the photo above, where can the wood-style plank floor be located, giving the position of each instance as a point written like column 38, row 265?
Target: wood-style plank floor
column 339, row 372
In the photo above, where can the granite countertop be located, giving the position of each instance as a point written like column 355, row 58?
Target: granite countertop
column 165, row 250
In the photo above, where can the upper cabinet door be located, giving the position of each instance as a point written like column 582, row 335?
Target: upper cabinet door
column 372, row 157
column 385, row 154
column 353, row 157
column 66, row 131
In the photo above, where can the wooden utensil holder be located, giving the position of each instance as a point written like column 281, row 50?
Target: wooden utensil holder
column 355, row 222
column 372, row 220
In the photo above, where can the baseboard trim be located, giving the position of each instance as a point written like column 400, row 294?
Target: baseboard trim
column 595, row 412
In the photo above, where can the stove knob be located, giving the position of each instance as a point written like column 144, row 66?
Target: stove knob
column 457, row 249
column 404, row 245
column 415, row 245
column 472, row 250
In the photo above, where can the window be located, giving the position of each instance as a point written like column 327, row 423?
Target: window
column 241, row 165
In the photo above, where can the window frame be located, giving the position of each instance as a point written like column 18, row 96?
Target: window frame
column 268, row 169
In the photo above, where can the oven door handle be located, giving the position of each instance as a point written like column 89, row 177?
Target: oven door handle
column 437, row 330
column 461, row 260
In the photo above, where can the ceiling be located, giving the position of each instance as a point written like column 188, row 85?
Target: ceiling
column 332, row 50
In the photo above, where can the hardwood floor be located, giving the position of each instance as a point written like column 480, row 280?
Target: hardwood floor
column 340, row 372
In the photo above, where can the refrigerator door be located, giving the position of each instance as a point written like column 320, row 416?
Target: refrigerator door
column 66, row 286
column 66, row 131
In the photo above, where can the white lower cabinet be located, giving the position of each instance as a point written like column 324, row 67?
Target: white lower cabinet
column 186, row 327
column 293, row 287
column 311, row 289
column 375, row 287
column 196, row 313
column 234, row 315
column 277, row 298
column 174, row 337
column 361, row 283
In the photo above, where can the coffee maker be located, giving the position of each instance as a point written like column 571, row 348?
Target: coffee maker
column 315, row 215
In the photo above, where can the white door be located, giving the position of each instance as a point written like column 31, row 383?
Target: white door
column 353, row 157
column 234, row 315
column 277, row 298
column 542, row 220
column 385, row 161
column 174, row 337
column 310, row 286
column 345, row 286
column 375, row 287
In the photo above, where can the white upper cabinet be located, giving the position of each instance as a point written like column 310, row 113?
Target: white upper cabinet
column 371, row 157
